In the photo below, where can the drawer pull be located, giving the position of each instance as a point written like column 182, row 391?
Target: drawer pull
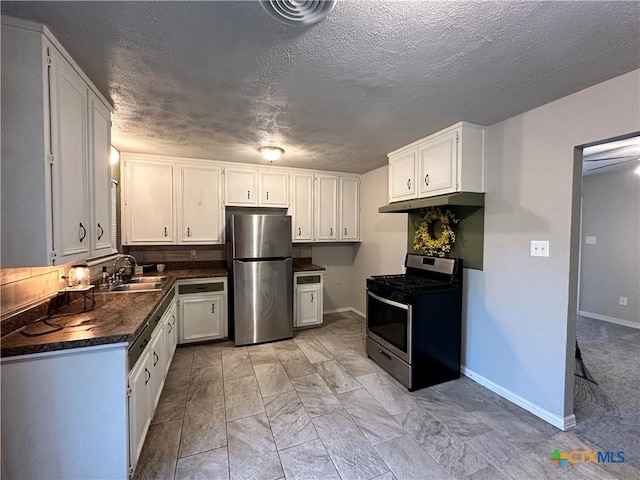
column 213, row 308
column 148, row 375
column 155, row 362
column 384, row 354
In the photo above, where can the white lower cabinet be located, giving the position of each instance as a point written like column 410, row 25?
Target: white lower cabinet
column 203, row 309
column 139, row 402
column 170, row 333
column 155, row 347
column 308, row 299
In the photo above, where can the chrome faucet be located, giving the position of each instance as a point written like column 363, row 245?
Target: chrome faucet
column 116, row 274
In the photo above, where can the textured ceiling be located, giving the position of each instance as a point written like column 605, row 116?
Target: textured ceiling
column 219, row 79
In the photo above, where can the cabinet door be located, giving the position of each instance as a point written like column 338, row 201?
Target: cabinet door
column 308, row 305
column 170, row 334
column 139, row 406
column 69, row 131
column 202, row 317
column 149, row 202
column 200, row 203
column 158, row 361
column 327, row 211
column 349, row 209
column 274, row 189
column 402, row 176
column 302, row 208
column 100, row 150
column 241, row 187
column 438, row 165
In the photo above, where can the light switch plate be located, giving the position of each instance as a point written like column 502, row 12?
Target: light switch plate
column 590, row 240
column 539, row 248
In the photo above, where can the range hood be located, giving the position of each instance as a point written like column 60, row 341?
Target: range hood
column 464, row 199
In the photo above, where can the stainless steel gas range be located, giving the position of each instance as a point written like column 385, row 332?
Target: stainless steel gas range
column 414, row 321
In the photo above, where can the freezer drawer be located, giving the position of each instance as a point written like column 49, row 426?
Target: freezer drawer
column 263, row 300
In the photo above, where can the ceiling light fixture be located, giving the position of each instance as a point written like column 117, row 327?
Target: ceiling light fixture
column 271, row 153
column 298, row 12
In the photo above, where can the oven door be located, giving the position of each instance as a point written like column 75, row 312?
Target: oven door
column 389, row 324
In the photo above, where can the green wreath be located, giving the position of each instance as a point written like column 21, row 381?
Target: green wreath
column 424, row 239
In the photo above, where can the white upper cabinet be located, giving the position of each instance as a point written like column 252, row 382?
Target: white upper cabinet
column 241, row 186
column 438, row 167
column 171, row 200
column 200, row 202
column 54, row 122
column 326, row 202
column 349, row 210
column 302, row 207
column 402, row 176
column 274, row 188
column 100, row 140
column 148, row 201
column 69, row 133
column 449, row 161
column 165, row 195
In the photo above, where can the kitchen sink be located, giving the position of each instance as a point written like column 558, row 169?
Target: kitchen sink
column 148, row 279
column 139, row 284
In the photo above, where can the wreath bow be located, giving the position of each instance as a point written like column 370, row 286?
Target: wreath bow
column 425, row 240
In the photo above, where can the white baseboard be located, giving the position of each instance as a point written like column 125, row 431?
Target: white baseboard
column 563, row 423
column 339, row 310
column 605, row 318
column 346, row 309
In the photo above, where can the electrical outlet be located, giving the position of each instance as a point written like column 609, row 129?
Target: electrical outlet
column 624, row 301
column 194, row 254
column 539, row 248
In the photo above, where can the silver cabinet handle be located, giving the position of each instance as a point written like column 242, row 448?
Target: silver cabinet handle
column 188, row 232
column 248, row 194
column 426, row 179
column 101, row 231
column 155, row 362
column 312, row 298
column 170, row 327
column 345, row 230
column 409, row 184
column 84, row 232
column 267, row 195
column 331, row 231
column 213, row 308
column 165, row 231
column 174, row 320
column 299, row 231
column 148, row 375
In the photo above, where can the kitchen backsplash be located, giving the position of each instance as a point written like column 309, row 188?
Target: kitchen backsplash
column 22, row 288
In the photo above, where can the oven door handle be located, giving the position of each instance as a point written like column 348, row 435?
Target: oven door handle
column 389, row 302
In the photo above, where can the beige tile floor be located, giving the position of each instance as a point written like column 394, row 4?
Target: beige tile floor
column 316, row 407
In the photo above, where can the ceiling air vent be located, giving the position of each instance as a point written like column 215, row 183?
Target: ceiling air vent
column 298, row 12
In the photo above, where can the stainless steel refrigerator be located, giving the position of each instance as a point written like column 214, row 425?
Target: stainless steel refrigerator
column 260, row 250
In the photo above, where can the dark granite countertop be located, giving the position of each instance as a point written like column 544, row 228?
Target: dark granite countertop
column 304, row 264
column 115, row 318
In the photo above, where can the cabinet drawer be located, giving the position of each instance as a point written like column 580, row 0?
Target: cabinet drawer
column 308, row 279
column 200, row 288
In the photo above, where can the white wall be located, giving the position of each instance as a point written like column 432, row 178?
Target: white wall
column 384, row 235
column 519, row 325
column 338, row 279
column 609, row 268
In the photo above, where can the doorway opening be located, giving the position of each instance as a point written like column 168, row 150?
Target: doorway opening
column 605, row 249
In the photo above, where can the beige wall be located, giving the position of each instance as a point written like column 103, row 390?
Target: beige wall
column 384, row 236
